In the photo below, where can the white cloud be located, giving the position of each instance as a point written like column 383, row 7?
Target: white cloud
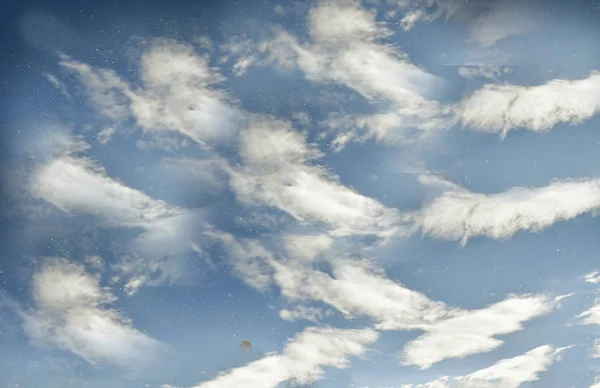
column 355, row 288
column 306, row 247
column 70, row 312
column 105, row 134
column 301, row 361
column 345, row 49
column 593, row 277
column 239, row 47
column 312, row 314
column 355, row 57
column 178, row 92
column 279, row 171
column 459, row 214
column 500, row 108
column 248, row 258
column 104, row 88
column 592, row 315
column 472, row 332
column 507, row 373
column 77, row 185
column 310, row 269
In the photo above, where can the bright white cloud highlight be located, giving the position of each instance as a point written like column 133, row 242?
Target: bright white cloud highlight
column 70, row 311
column 472, row 332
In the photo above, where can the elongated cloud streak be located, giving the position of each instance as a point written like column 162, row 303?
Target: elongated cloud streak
column 507, row 373
column 501, row 108
column 459, row 214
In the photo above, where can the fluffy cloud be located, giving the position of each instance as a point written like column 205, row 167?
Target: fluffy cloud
column 279, row 171
column 500, row 108
column 77, row 185
column 178, row 92
column 459, row 214
column 70, row 312
column 301, row 361
column 507, row 373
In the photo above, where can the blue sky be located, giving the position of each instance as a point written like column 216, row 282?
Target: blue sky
column 387, row 193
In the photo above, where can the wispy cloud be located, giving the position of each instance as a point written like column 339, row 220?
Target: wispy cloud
column 490, row 72
column 487, row 22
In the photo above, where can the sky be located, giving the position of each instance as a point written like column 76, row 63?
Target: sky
column 377, row 193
